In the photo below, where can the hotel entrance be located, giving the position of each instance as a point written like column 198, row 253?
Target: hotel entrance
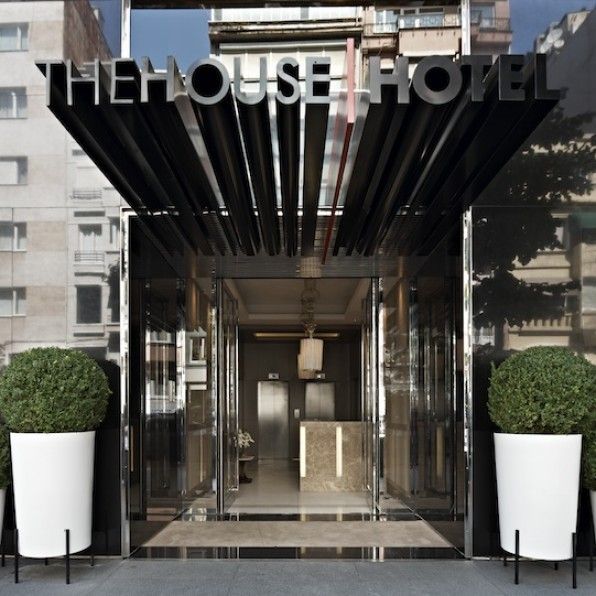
column 234, row 445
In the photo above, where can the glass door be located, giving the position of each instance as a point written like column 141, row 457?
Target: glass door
column 435, row 432
column 370, row 392
column 227, row 396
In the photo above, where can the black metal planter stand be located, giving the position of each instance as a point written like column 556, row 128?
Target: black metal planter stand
column 556, row 563
column 17, row 556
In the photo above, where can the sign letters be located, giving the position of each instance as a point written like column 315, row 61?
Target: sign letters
column 436, row 80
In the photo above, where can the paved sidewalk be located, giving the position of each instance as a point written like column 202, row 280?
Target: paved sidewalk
column 243, row 578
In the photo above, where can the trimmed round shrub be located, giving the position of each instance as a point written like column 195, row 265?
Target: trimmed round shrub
column 53, row 390
column 542, row 390
column 590, row 460
column 4, row 456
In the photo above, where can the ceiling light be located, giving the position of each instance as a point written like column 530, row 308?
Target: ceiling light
column 292, row 335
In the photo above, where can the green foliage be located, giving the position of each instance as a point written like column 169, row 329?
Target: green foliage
column 514, row 219
column 4, row 456
column 542, row 390
column 590, row 459
column 49, row 390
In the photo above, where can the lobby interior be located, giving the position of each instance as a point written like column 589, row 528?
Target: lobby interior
column 314, row 478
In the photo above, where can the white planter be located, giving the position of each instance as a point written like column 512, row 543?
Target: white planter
column 538, row 490
column 53, row 491
column 2, row 505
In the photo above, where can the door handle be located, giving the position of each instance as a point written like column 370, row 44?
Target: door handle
column 132, row 449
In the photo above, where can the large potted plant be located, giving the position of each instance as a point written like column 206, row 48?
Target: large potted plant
column 540, row 399
column 52, row 400
column 4, row 471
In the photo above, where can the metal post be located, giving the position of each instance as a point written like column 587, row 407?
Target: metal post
column 46, row 562
column 574, row 559
column 516, row 557
column 556, row 565
column 67, row 556
column 3, row 553
column 16, row 556
column 592, row 539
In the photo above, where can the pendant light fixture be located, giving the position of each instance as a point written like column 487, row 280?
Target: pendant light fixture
column 310, row 358
column 311, row 351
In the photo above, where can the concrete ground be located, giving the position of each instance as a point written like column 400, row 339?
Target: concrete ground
column 254, row 577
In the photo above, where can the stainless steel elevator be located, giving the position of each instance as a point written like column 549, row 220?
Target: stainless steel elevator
column 273, row 411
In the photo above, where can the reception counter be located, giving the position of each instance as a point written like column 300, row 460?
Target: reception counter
column 331, row 456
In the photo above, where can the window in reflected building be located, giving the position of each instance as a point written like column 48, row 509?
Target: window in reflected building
column 13, row 170
column 13, row 102
column 13, row 302
column 88, row 304
column 14, row 37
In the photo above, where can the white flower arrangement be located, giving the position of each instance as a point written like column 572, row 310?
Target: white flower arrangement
column 244, row 439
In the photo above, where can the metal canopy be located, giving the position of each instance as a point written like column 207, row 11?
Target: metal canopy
column 206, row 172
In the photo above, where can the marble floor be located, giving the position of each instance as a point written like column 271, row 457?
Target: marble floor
column 275, row 490
column 280, row 534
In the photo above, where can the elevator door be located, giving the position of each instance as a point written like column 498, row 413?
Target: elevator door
column 273, row 412
column 319, row 401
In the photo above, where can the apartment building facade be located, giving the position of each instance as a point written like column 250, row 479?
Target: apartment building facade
column 59, row 216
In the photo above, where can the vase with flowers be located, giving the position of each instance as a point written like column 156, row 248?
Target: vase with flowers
column 244, row 440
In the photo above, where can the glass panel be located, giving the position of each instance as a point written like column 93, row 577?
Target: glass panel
column 171, row 401
column 88, row 304
column 370, row 391
column 9, row 171
column 7, row 104
column 9, row 37
column 422, row 462
column 20, row 236
column 20, row 301
column 13, row 102
column 228, row 374
column 533, row 241
column 5, row 302
column 21, row 104
column 24, row 37
column 22, row 170
column 6, row 233
column 89, row 237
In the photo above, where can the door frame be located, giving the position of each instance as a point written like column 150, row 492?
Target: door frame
column 225, row 494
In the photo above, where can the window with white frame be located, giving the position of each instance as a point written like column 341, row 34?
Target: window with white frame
column 483, row 14
column 88, row 304
column 13, row 236
column 13, row 302
column 14, row 37
column 13, row 102
column 89, row 237
column 385, row 21
column 13, row 170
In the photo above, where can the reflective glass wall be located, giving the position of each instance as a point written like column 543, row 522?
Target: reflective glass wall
column 171, row 385
column 421, row 393
column 59, row 220
column 533, row 231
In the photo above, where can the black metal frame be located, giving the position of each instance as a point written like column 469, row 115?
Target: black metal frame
column 556, row 563
column 46, row 561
